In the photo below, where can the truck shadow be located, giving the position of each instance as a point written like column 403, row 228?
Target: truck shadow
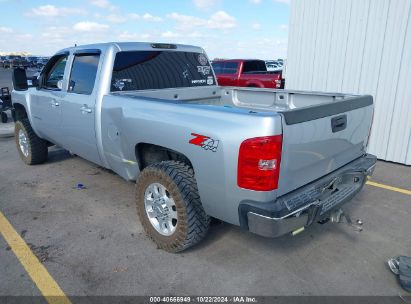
column 217, row 231
column 246, row 241
column 57, row 154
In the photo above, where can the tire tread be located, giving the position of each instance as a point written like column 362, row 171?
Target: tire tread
column 197, row 220
column 37, row 147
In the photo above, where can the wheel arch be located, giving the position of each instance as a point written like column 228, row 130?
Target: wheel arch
column 147, row 154
column 19, row 112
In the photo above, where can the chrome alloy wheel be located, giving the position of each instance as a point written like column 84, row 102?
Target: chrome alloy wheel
column 160, row 209
column 24, row 145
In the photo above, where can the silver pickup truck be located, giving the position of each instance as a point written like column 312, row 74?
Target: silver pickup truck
column 270, row 161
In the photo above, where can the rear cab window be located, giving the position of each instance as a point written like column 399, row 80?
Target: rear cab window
column 151, row 70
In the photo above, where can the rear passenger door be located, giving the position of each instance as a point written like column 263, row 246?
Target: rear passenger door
column 79, row 111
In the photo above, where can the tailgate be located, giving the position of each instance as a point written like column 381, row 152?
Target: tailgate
column 321, row 138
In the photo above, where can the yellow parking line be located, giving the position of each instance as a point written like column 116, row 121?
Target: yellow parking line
column 38, row 273
column 403, row 191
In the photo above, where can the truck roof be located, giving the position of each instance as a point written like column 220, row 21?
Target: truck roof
column 133, row 46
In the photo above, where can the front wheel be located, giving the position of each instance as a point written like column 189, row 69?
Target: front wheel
column 169, row 206
column 4, row 117
column 32, row 149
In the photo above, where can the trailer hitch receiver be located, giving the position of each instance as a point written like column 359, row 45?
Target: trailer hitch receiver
column 338, row 216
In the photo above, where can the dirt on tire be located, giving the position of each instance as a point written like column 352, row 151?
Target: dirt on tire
column 192, row 221
column 38, row 150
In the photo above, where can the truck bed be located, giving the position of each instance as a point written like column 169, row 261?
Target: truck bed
column 250, row 98
column 321, row 131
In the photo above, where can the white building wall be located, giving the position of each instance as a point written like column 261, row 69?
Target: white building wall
column 358, row 46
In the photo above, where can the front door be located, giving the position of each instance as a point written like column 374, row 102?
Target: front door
column 79, row 107
column 46, row 103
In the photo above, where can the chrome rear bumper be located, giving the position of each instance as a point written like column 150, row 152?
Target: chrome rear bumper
column 308, row 204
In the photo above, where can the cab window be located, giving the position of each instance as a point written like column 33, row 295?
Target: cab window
column 254, row 66
column 230, row 67
column 83, row 73
column 218, row 67
column 54, row 72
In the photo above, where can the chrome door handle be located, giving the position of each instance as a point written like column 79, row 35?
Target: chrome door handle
column 85, row 109
column 54, row 103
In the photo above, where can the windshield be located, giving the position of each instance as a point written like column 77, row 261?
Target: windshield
column 148, row 70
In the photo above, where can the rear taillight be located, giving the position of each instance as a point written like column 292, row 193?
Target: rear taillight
column 278, row 83
column 259, row 163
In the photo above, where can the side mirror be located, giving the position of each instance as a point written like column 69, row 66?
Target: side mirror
column 60, row 84
column 20, row 80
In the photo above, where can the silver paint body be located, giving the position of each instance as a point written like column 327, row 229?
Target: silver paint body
column 108, row 134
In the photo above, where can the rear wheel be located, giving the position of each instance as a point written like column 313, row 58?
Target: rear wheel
column 32, row 149
column 169, row 206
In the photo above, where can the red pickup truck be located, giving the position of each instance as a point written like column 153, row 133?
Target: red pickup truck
column 246, row 73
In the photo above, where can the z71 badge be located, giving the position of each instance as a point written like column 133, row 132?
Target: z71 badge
column 204, row 142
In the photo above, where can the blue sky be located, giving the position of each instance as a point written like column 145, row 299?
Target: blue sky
column 225, row 28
